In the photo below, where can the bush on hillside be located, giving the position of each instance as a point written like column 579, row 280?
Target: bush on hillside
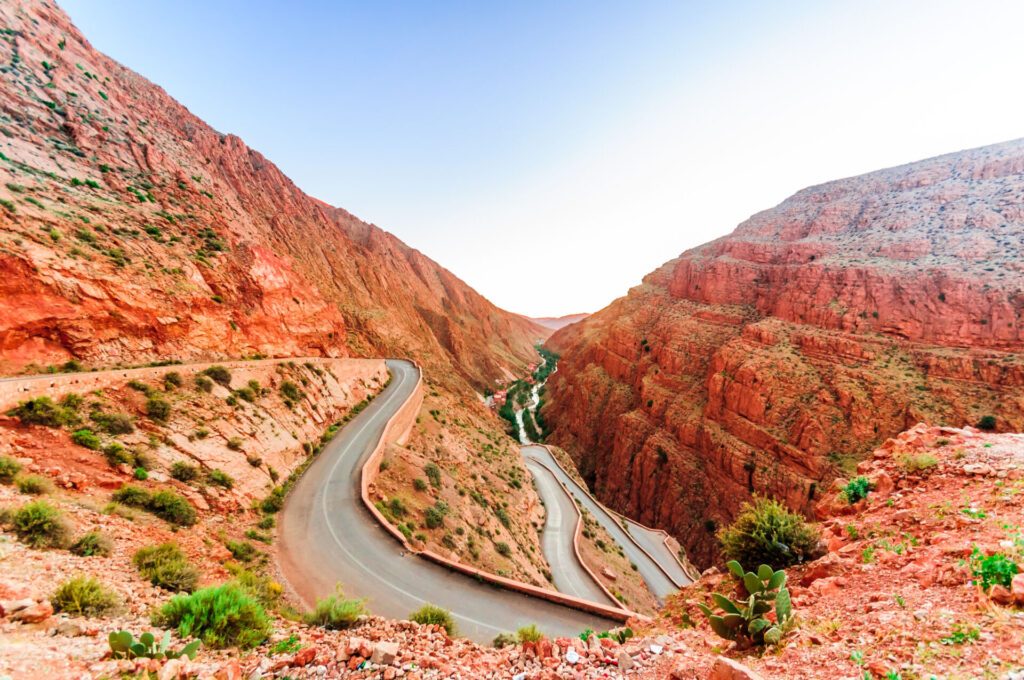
column 42, row 411
column 113, row 423
column 529, row 633
column 767, row 532
column 84, row 596
column 172, row 508
column 165, row 504
column 184, row 472
column 87, row 438
column 132, row 496
column 856, row 489
column 166, row 566
column 430, row 614
column 241, row 550
column 34, row 485
column 219, row 374
column 220, row 478
column 9, row 468
column 116, row 454
column 335, row 612
column 221, row 616
column 265, row 590
column 40, row 525
column 158, row 409
column 92, row 544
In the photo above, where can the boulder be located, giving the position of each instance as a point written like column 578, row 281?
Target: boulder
column 37, row 612
column 384, row 653
column 727, row 669
column 1017, row 589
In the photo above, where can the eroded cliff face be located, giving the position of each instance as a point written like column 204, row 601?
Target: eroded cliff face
column 131, row 231
column 769, row 360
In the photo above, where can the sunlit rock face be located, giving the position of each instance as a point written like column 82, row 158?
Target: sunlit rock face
column 768, row 360
column 131, row 231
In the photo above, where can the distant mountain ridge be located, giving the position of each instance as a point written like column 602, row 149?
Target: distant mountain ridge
column 558, row 322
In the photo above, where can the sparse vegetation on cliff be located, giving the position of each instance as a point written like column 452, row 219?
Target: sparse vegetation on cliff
column 767, row 532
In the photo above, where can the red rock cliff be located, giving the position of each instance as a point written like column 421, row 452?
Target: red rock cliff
column 770, row 359
column 131, row 231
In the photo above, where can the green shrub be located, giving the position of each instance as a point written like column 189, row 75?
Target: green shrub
column 291, row 391
column 219, row 374
column 503, row 640
column 743, row 621
column 92, row 544
column 430, row 614
column 987, row 423
column 116, row 454
column 433, row 518
column 84, row 596
column 86, row 438
column 274, row 501
column 9, row 468
column 34, row 485
column 166, row 566
column 235, row 444
column 335, row 612
column 220, row 478
column 113, row 423
column 766, row 532
column 41, row 525
column 433, row 474
column 172, row 508
column 204, row 384
column 42, row 411
column 132, row 496
column 266, row 523
column 247, row 393
column 503, row 548
column 241, row 550
column 158, row 409
column 165, row 504
column 994, row 569
column 172, row 380
column 184, row 472
column 265, row 590
column 141, row 474
column 529, row 633
column 397, row 507
column 856, row 489
column 918, row 462
column 140, row 386
column 419, row 484
column 221, row 616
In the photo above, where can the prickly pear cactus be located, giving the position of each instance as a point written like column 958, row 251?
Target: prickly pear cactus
column 743, row 621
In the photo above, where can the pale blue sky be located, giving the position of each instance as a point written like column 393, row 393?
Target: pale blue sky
column 592, row 140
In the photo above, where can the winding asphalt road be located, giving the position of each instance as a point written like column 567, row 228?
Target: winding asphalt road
column 658, row 582
column 654, row 543
column 557, row 541
column 328, row 537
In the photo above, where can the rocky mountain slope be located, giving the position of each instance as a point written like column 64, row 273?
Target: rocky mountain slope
column 769, row 360
column 131, row 231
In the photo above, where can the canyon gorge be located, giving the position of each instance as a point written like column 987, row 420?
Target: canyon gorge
column 324, row 428
column 770, row 360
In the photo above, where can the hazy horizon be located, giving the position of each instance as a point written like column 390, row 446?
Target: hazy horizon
column 590, row 141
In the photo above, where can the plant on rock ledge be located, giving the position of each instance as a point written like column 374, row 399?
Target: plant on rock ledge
column 744, row 622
